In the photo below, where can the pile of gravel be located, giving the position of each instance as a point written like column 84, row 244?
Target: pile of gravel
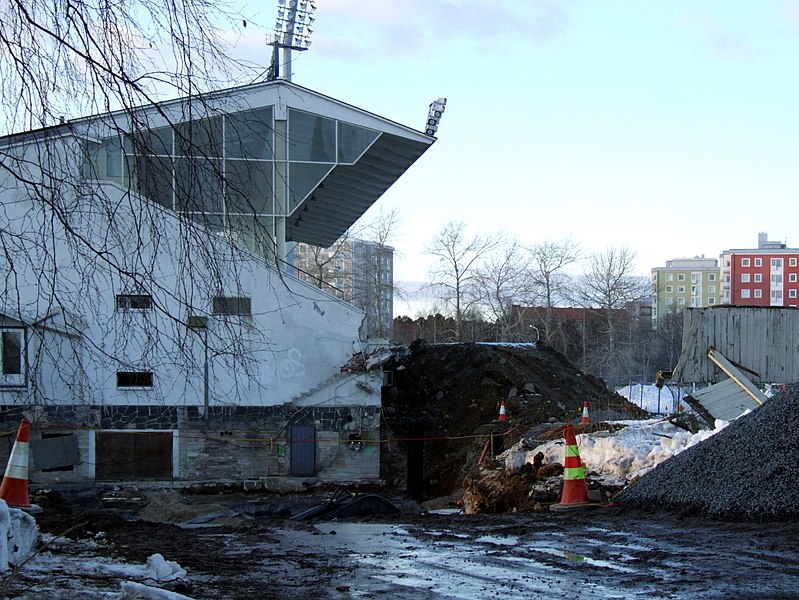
column 747, row 471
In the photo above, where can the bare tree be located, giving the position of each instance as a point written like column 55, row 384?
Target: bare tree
column 550, row 260
column 373, row 286
column 63, row 58
column 504, row 279
column 455, row 272
column 324, row 267
column 78, row 186
column 609, row 283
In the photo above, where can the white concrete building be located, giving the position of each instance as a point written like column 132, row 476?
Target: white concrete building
column 147, row 329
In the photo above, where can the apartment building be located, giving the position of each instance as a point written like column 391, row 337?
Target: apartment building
column 685, row 282
column 357, row 271
column 764, row 276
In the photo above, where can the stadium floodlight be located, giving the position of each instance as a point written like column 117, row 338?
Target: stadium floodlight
column 292, row 32
column 434, row 115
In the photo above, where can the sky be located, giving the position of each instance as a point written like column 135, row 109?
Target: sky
column 670, row 128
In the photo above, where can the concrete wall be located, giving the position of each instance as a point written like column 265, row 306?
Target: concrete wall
column 283, row 361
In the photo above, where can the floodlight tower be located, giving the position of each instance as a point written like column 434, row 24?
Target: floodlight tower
column 292, row 32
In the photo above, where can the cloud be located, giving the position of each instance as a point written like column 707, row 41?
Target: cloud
column 720, row 38
column 412, row 26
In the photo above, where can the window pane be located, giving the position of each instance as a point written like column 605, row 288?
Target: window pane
column 134, row 302
column 200, row 137
column 303, row 179
column 152, row 178
column 198, row 185
column 134, row 379
column 249, row 134
column 248, row 187
column 352, row 141
column 156, row 141
column 12, row 353
column 311, row 138
column 232, row 305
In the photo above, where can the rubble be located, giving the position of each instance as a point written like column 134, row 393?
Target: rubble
column 746, row 472
column 441, row 414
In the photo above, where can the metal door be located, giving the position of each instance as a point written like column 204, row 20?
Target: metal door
column 303, row 450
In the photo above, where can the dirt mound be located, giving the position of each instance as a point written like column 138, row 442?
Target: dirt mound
column 441, row 414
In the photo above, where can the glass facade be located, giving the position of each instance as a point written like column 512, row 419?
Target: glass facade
column 221, row 171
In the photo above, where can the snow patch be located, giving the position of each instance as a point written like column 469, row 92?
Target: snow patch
column 18, row 536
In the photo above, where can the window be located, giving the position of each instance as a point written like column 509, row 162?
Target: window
column 681, row 301
column 776, row 263
column 758, row 293
column 792, row 278
column 744, row 293
column 744, row 262
column 140, row 379
column 776, row 281
column 695, row 277
column 711, row 277
column 744, row 277
column 680, row 289
column 711, row 300
column 791, row 293
column 792, row 262
column 711, row 289
column 232, row 305
column 12, row 346
column 669, row 300
column 669, row 277
column 680, row 276
column 134, row 302
column 669, row 289
column 758, row 262
column 758, row 277
column 776, row 297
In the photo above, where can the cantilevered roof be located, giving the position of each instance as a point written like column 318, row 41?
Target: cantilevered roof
column 320, row 213
column 326, row 195
column 349, row 190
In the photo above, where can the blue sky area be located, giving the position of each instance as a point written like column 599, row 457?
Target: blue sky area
column 670, row 127
column 667, row 126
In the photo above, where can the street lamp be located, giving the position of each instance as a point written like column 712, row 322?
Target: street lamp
column 292, row 32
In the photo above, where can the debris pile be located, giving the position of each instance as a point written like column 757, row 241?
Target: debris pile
column 746, row 472
column 443, row 411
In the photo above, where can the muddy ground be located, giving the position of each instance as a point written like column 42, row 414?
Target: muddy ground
column 247, row 548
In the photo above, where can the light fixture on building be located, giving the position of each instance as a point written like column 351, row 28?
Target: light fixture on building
column 434, row 116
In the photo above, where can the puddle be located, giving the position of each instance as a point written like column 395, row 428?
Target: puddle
column 577, row 558
column 498, row 541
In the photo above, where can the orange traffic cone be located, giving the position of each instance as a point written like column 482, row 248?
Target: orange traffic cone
column 575, row 490
column 585, row 413
column 14, row 489
column 502, row 415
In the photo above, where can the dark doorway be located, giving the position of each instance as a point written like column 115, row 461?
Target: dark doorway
column 303, row 450
column 140, row 455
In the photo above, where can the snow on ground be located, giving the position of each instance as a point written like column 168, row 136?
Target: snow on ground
column 653, row 399
column 19, row 538
column 617, row 458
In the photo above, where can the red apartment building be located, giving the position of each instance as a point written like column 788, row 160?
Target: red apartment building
column 764, row 276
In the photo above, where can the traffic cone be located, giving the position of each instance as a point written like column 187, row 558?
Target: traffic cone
column 585, row 413
column 14, row 489
column 575, row 490
column 502, row 415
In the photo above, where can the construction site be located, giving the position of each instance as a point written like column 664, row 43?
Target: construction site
column 504, row 471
